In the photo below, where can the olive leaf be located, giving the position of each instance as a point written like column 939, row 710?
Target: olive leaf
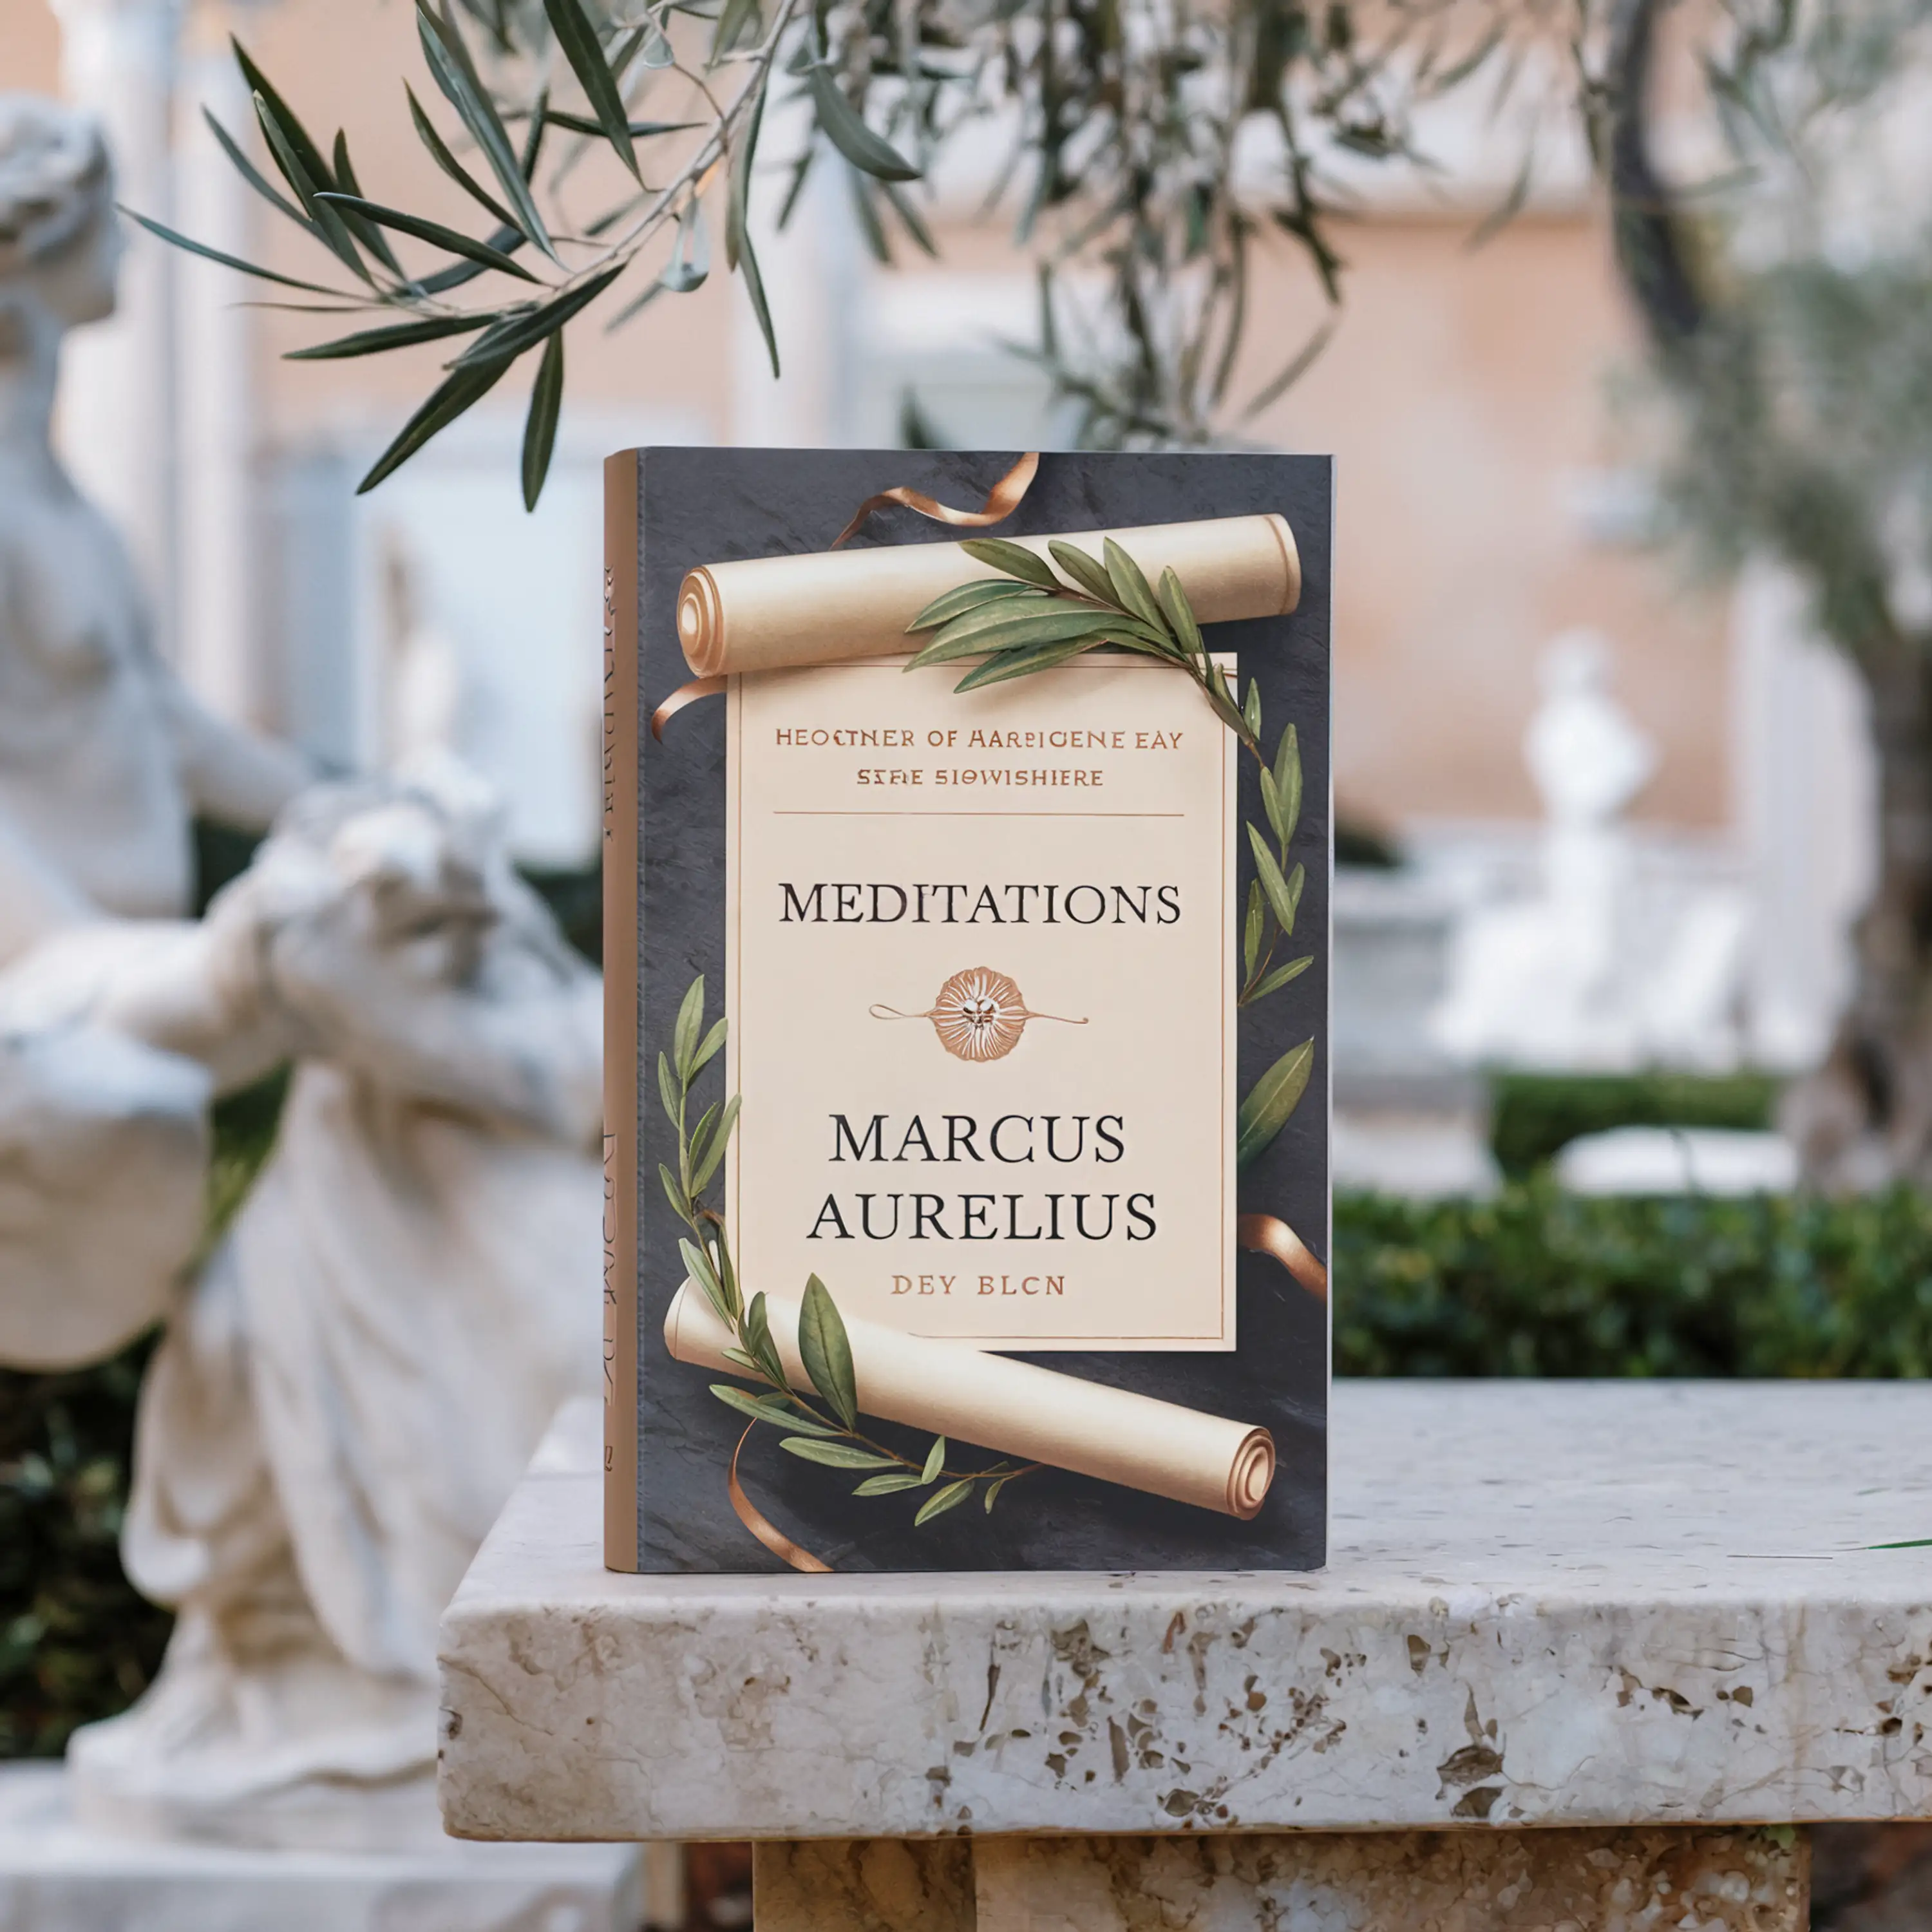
column 450, row 240
column 540, row 428
column 524, row 329
column 1281, row 902
column 1019, row 664
column 256, row 179
column 440, row 153
column 827, row 1352
column 163, row 233
column 834, row 1455
column 708, row 1048
column 956, row 603
column 673, row 1193
column 684, row 1035
column 697, row 1265
column 739, row 253
column 459, row 391
column 1272, row 1099
column 1082, row 568
column 398, row 335
column 1187, row 630
column 756, row 1329
column 1271, row 802
column 1281, row 976
column 1287, row 776
column 847, row 132
column 935, row 1459
column 891, row 1484
column 1130, row 587
column 308, row 178
column 707, row 1164
column 937, row 1503
column 578, row 40
column 670, row 1096
column 1016, row 559
column 1251, row 931
column 1009, row 626
column 455, row 73
column 762, row 1409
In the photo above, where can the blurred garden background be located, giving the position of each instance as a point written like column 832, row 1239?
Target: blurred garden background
column 1634, row 908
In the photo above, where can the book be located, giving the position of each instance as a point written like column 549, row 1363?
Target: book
column 966, row 1137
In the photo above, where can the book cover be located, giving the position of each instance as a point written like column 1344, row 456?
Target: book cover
column 967, row 953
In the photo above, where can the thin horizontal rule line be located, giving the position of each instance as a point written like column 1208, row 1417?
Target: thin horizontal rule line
column 797, row 811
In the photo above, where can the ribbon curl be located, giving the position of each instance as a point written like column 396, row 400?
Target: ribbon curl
column 1002, row 500
column 762, row 1527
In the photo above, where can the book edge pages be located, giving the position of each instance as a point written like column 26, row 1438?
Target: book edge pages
column 621, row 752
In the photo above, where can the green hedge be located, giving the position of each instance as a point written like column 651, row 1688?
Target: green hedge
column 1538, row 1282
column 1533, row 1115
column 76, row 1642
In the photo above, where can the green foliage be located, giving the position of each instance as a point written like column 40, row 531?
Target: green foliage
column 76, row 1642
column 1538, row 1282
column 1120, row 133
column 1536, row 1114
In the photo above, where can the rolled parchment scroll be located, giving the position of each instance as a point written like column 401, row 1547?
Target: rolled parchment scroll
column 771, row 613
column 1013, row 1409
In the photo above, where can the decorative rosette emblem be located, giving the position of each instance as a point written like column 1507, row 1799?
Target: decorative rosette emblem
column 979, row 1015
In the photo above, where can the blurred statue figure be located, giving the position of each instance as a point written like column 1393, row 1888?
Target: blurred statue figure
column 346, row 1394
column 1545, row 980
column 104, row 755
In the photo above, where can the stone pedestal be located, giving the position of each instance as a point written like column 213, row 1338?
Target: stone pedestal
column 1739, row 1881
column 58, row 1875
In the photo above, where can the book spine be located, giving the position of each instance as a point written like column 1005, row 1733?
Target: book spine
column 621, row 750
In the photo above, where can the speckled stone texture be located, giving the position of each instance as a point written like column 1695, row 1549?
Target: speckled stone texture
column 1467, row 1881
column 1549, row 1604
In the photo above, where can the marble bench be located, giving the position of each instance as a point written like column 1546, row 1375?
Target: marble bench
column 1584, row 1656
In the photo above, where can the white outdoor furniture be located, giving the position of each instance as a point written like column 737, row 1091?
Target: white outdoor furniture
column 1648, row 1612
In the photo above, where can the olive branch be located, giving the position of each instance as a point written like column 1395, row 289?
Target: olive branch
column 1030, row 620
column 825, row 1430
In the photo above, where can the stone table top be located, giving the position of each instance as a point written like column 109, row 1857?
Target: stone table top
column 1547, row 1603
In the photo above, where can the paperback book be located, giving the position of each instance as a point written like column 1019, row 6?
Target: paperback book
column 967, row 861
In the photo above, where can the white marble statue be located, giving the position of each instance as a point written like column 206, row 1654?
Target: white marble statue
column 1547, row 979
column 349, row 1388
column 104, row 754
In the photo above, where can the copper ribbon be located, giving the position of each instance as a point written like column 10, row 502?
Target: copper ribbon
column 1264, row 1234
column 685, row 694
column 1002, row 500
column 763, row 1529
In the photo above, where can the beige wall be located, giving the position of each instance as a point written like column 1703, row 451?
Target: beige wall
column 29, row 47
column 1465, row 396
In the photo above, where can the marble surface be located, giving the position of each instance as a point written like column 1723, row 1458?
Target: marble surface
column 57, row 1875
column 1745, row 1880
column 1550, row 1604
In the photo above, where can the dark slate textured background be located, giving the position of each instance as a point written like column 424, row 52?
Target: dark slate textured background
column 703, row 506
